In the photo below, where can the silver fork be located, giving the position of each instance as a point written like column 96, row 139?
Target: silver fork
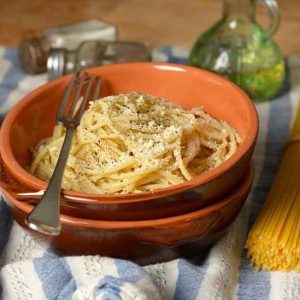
column 45, row 217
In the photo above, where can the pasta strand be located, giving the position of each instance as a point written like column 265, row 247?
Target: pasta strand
column 134, row 142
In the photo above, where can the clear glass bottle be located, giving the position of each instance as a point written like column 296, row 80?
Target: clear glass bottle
column 34, row 52
column 238, row 48
column 95, row 53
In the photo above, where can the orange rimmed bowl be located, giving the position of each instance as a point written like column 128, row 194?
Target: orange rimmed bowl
column 33, row 118
column 146, row 241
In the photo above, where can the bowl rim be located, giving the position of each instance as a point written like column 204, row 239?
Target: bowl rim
column 239, row 191
column 26, row 178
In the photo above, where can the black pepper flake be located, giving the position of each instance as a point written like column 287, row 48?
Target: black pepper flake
column 130, row 153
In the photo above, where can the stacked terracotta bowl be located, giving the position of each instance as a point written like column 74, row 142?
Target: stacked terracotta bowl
column 145, row 227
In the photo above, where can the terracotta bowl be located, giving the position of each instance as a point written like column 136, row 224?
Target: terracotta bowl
column 146, row 241
column 33, row 118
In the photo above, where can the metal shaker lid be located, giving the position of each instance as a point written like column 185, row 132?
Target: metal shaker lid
column 56, row 63
column 33, row 54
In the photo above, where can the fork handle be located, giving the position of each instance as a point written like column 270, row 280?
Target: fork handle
column 45, row 217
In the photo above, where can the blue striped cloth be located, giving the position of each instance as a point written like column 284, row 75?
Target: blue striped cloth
column 31, row 270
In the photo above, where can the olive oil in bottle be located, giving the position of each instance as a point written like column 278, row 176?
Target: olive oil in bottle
column 240, row 50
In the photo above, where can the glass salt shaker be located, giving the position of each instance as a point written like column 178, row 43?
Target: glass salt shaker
column 34, row 52
column 95, row 53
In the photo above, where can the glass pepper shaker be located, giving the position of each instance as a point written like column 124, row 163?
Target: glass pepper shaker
column 95, row 53
column 238, row 48
column 34, row 52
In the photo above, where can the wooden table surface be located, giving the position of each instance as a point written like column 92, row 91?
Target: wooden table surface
column 159, row 22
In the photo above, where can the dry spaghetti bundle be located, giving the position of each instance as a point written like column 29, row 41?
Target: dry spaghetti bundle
column 274, row 241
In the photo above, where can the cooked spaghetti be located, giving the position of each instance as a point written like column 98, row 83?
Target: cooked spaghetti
column 136, row 143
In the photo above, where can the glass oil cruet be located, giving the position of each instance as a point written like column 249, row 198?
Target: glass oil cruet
column 238, row 48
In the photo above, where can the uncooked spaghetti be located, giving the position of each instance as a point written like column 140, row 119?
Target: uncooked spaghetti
column 136, row 143
column 274, row 240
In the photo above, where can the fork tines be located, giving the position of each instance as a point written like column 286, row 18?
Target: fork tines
column 75, row 99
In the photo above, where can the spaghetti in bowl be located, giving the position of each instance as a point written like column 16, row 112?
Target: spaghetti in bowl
column 134, row 142
column 33, row 119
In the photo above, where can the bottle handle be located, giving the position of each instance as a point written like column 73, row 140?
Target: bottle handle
column 274, row 14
